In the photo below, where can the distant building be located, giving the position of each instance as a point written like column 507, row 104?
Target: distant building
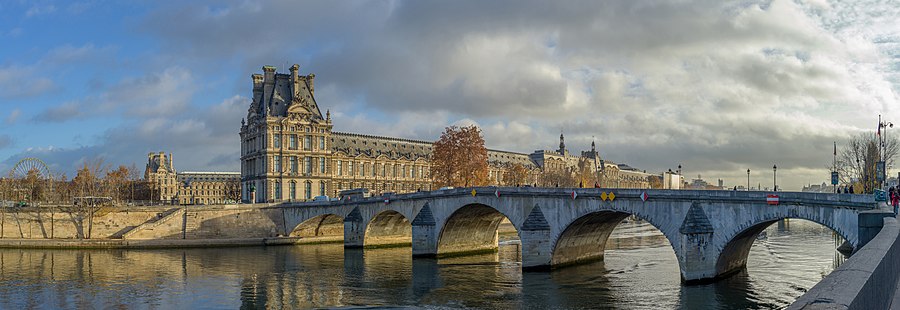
column 290, row 153
column 208, row 187
column 166, row 185
column 817, row 188
column 160, row 175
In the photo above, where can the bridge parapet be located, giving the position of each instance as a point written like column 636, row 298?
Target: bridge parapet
column 843, row 200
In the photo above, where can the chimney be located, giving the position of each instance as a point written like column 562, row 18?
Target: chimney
column 171, row 168
column 311, row 80
column 295, row 81
column 268, row 88
column 257, row 82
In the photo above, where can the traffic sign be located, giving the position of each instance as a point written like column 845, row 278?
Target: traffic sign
column 644, row 196
column 772, row 199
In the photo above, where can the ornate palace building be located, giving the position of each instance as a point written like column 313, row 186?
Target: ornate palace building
column 290, row 153
column 168, row 186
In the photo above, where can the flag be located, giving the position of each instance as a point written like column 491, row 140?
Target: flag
column 878, row 133
column 835, row 148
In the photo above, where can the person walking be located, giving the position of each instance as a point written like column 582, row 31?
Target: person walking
column 895, row 198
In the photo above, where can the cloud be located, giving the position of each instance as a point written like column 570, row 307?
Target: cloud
column 15, row 32
column 18, row 82
column 13, row 116
column 40, row 9
column 66, row 54
column 717, row 86
column 155, row 94
column 5, row 141
column 199, row 139
column 61, row 113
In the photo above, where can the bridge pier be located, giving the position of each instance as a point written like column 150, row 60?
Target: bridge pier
column 698, row 258
column 424, row 234
column 354, row 230
column 535, row 236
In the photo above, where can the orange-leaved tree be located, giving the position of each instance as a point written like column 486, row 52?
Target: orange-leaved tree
column 459, row 158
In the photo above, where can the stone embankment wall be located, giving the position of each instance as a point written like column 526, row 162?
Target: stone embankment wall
column 163, row 222
column 868, row 280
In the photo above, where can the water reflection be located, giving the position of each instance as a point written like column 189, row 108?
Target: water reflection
column 639, row 271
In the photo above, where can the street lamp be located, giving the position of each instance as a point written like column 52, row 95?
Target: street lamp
column 748, row 180
column 774, row 178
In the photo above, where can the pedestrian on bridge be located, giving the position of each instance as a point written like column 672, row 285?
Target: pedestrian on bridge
column 895, row 198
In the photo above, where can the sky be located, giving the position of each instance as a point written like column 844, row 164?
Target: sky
column 718, row 87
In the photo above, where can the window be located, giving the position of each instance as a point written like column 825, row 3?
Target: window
column 277, row 190
column 308, row 190
column 350, row 167
column 321, row 188
column 307, row 143
column 277, row 140
column 322, row 164
column 383, row 167
column 293, row 142
column 340, row 167
column 293, row 164
column 374, row 168
column 308, row 164
column 277, row 163
column 413, row 172
column 293, row 190
column 321, row 143
column 362, row 169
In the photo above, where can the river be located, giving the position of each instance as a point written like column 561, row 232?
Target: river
column 639, row 272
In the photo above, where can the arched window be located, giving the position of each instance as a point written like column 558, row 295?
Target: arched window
column 321, row 188
column 292, row 191
column 277, row 190
column 308, row 190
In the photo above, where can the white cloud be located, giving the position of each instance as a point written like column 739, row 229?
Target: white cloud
column 13, row 116
column 40, row 9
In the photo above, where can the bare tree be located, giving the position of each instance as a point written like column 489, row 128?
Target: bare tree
column 89, row 187
column 856, row 161
column 233, row 189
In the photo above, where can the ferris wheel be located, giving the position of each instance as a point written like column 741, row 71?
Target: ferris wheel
column 21, row 169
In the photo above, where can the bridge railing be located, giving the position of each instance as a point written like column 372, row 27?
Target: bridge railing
column 841, row 200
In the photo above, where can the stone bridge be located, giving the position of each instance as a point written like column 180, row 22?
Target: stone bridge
column 710, row 231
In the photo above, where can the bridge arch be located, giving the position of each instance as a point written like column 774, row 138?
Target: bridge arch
column 327, row 227
column 388, row 228
column 733, row 254
column 584, row 238
column 471, row 229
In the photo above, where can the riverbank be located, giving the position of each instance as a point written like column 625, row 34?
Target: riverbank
column 157, row 243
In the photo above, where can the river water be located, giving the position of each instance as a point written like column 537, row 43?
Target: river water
column 639, row 272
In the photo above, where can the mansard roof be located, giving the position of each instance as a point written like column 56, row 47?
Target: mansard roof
column 278, row 94
column 354, row 145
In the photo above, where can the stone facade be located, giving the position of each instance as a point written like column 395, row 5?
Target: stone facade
column 208, row 187
column 290, row 153
column 188, row 188
column 160, row 175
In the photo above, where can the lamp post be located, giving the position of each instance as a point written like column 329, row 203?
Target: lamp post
column 774, row 178
column 748, row 180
